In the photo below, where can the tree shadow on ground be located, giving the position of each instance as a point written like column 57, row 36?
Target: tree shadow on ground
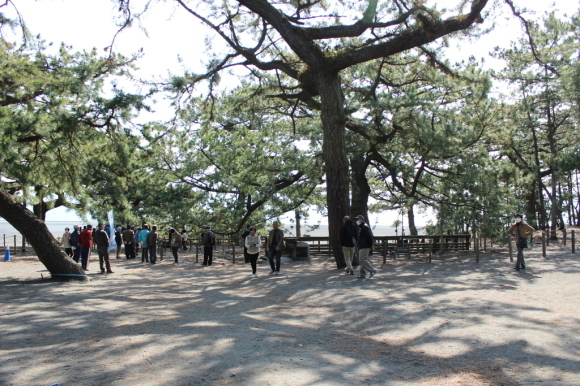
column 414, row 323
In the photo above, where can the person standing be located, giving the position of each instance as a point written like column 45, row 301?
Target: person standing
column 74, row 242
column 184, row 239
column 66, row 242
column 208, row 241
column 253, row 242
column 152, row 244
column 129, row 240
column 101, row 238
column 243, row 236
column 520, row 230
column 119, row 241
column 348, row 235
column 365, row 242
column 144, row 245
column 136, row 239
column 86, row 243
column 274, row 247
column 175, row 243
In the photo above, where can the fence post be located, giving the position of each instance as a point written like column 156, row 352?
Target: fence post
column 544, row 244
column 233, row 253
column 23, row 244
column 431, row 243
column 384, row 252
column 564, row 235
column 573, row 242
column 14, row 243
column 510, row 248
column 476, row 249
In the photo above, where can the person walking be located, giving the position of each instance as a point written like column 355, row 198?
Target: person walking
column 66, row 242
column 348, row 233
column 175, row 243
column 86, row 243
column 152, row 244
column 253, row 242
column 184, row 239
column 119, row 240
column 144, row 245
column 129, row 240
column 208, row 241
column 365, row 242
column 520, row 230
column 74, row 242
column 243, row 236
column 101, row 238
column 274, row 247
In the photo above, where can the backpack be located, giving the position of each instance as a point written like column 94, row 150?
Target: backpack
column 209, row 238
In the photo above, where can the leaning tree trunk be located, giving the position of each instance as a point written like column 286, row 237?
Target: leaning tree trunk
column 335, row 160
column 42, row 241
column 359, row 187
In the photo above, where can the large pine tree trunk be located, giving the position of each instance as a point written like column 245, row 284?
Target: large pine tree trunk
column 359, row 187
column 411, row 220
column 335, row 160
column 42, row 241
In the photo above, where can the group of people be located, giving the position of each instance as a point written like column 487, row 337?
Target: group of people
column 79, row 243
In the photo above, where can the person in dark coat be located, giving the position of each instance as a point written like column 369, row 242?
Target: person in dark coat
column 74, row 242
column 365, row 242
column 348, row 233
column 208, row 241
column 101, row 239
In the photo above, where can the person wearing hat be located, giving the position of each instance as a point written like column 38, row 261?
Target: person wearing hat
column 520, row 230
column 152, row 244
column 365, row 243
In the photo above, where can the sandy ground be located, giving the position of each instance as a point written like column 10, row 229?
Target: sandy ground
column 452, row 322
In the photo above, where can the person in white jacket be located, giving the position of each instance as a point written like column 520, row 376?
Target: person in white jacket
column 253, row 244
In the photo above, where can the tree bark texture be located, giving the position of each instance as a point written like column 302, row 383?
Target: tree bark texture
column 411, row 219
column 359, row 187
column 335, row 160
column 44, row 244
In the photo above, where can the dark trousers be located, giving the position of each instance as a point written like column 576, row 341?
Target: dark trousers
column 207, row 255
column 253, row 260
column 85, row 252
column 130, row 250
column 153, row 254
column 278, row 254
column 246, row 256
column 77, row 253
column 104, row 258
column 145, row 254
column 174, row 251
column 520, row 263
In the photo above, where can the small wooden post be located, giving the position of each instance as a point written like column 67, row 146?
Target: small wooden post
column 476, row 249
column 318, row 246
column 430, row 250
column 544, row 244
column 233, row 253
column 564, row 235
column 224, row 250
column 573, row 235
column 510, row 248
column 196, row 253
column 14, row 242
column 23, row 244
column 384, row 252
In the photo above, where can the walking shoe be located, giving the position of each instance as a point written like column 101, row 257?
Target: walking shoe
column 253, row 275
column 272, row 272
column 351, row 272
column 110, row 272
column 347, row 272
column 361, row 276
column 373, row 273
column 277, row 272
column 102, row 271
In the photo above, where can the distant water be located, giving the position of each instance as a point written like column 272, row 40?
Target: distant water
column 57, row 230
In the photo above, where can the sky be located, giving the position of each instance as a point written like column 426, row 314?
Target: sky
column 172, row 41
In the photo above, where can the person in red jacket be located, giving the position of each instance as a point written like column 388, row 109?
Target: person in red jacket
column 86, row 243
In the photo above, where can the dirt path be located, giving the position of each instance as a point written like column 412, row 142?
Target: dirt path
column 453, row 322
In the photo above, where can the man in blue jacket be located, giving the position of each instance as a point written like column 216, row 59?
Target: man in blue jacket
column 365, row 243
